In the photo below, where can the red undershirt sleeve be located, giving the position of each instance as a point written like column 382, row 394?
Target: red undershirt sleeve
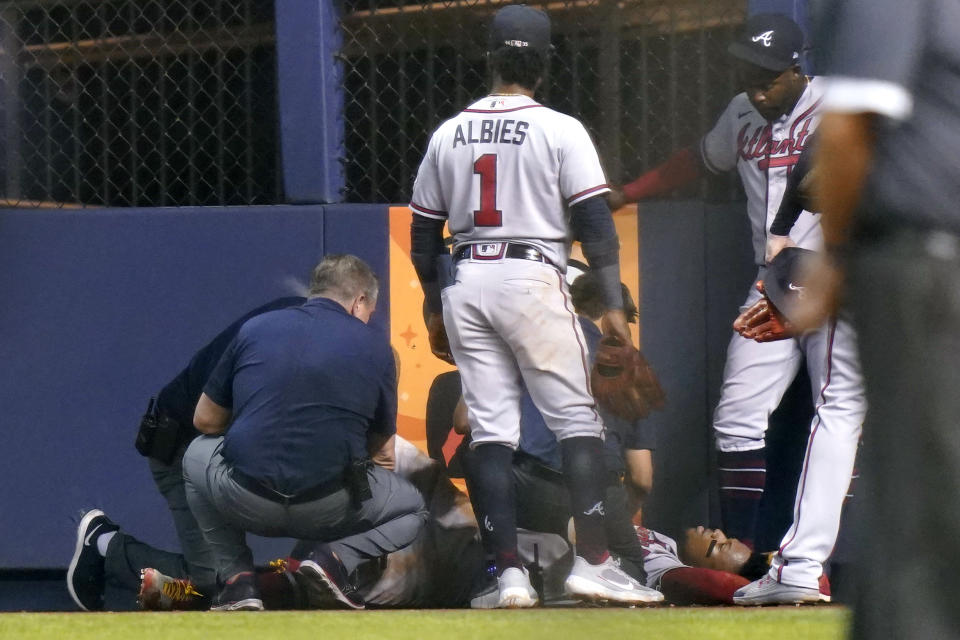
column 692, row 585
column 679, row 169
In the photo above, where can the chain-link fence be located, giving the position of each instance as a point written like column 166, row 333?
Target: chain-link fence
column 174, row 102
column 645, row 76
column 138, row 102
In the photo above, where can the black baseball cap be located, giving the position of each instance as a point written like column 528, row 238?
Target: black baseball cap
column 520, row 25
column 769, row 40
column 780, row 281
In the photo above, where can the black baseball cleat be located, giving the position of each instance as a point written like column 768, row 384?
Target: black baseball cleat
column 85, row 576
column 239, row 593
column 325, row 582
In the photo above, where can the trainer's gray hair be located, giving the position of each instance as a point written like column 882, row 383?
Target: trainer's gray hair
column 342, row 277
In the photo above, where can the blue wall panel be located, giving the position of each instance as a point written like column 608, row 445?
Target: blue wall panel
column 364, row 230
column 310, row 99
column 696, row 264
column 99, row 310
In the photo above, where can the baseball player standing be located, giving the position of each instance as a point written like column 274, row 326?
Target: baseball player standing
column 515, row 181
column 761, row 134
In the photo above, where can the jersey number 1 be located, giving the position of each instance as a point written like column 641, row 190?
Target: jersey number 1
column 487, row 215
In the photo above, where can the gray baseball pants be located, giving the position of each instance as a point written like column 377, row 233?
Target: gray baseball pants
column 387, row 522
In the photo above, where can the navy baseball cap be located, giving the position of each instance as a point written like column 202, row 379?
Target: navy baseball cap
column 780, row 281
column 519, row 25
column 769, row 40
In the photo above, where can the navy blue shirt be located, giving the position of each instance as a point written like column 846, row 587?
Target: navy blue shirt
column 178, row 399
column 305, row 385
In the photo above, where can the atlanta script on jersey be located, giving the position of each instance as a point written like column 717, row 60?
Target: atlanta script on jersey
column 764, row 153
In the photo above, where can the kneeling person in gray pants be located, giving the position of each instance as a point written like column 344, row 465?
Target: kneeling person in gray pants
column 299, row 401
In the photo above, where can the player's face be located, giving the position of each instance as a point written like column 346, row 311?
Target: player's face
column 712, row 549
column 771, row 93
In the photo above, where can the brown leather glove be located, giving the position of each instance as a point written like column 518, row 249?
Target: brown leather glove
column 437, row 334
column 623, row 381
column 763, row 322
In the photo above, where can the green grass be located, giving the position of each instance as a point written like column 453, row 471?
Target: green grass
column 789, row 623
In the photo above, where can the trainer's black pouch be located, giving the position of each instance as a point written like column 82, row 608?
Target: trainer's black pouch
column 358, row 483
column 158, row 436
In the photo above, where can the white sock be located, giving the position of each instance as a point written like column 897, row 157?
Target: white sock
column 103, row 541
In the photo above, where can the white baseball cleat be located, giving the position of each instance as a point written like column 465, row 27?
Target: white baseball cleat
column 607, row 582
column 516, row 592
column 767, row 590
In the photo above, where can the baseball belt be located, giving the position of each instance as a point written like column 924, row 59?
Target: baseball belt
column 257, row 487
column 499, row 250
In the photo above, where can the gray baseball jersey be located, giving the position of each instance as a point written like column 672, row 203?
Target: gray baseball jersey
column 763, row 153
column 507, row 168
column 659, row 555
column 503, row 173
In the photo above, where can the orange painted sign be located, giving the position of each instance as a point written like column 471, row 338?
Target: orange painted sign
column 418, row 367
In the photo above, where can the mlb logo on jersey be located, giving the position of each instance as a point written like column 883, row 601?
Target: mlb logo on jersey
column 489, row 250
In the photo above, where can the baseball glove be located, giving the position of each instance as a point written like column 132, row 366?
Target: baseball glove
column 437, row 335
column 763, row 322
column 623, row 382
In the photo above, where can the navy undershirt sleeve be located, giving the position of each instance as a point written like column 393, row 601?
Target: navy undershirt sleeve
column 795, row 197
column 426, row 243
column 593, row 226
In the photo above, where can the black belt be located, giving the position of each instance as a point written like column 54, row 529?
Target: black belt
column 499, row 250
column 308, row 495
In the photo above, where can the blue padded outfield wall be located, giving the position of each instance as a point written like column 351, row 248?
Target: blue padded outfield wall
column 100, row 308
column 311, row 98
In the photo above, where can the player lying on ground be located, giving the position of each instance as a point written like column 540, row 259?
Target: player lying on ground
column 445, row 565
column 440, row 568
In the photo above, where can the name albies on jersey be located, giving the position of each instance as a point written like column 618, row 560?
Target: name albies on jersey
column 507, row 168
column 764, row 153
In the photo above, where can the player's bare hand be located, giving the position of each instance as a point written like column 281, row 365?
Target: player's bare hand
column 614, row 323
column 776, row 244
column 821, row 298
column 437, row 333
column 615, row 199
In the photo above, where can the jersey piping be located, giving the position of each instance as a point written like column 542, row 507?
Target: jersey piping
column 526, row 106
column 429, row 213
column 586, row 193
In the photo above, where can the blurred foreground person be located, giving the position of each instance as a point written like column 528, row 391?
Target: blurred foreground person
column 890, row 193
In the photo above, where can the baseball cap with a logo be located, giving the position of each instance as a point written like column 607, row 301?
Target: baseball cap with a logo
column 769, row 40
column 782, row 281
column 519, row 25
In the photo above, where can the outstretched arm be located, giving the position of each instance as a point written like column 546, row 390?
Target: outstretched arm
column 683, row 167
